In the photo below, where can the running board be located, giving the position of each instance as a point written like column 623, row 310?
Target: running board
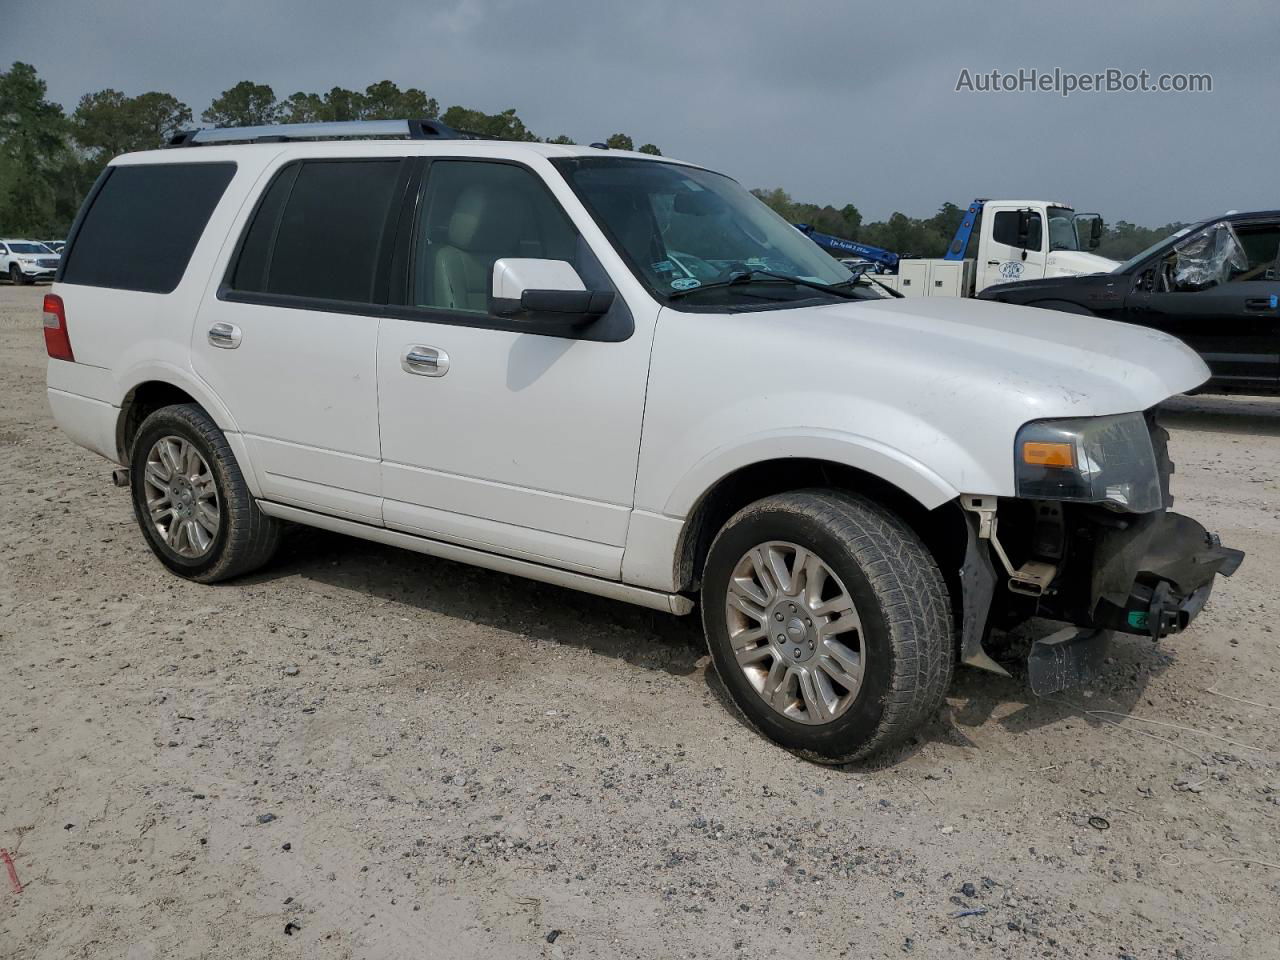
column 653, row 599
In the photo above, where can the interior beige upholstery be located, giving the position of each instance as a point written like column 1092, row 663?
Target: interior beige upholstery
column 485, row 224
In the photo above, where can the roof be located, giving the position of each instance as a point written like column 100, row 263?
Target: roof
column 351, row 147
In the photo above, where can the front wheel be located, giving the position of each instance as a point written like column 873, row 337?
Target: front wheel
column 191, row 501
column 829, row 623
column 15, row 275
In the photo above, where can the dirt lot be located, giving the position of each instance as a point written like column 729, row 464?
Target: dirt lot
column 469, row 765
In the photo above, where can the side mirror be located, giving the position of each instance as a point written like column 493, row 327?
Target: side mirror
column 1024, row 228
column 548, row 294
column 1095, row 233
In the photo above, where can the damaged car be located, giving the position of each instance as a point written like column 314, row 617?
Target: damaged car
column 1214, row 285
column 624, row 375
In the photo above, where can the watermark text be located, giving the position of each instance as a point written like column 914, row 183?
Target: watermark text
column 1066, row 83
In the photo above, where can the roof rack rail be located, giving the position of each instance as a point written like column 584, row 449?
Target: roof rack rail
column 284, row 132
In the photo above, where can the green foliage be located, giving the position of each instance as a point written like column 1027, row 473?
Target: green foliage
column 845, row 222
column 247, row 104
column 383, row 100
column 1122, row 240
column 33, row 151
column 48, row 161
column 505, row 125
column 108, row 123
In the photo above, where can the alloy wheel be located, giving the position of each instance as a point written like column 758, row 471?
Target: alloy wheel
column 182, row 497
column 795, row 632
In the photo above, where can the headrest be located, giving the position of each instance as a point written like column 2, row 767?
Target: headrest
column 488, row 219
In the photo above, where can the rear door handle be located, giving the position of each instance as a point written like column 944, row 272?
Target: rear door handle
column 425, row 361
column 224, row 335
column 1261, row 303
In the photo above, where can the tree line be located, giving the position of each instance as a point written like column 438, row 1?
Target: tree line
column 930, row 236
column 49, row 158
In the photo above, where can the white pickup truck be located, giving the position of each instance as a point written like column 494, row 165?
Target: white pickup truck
column 624, row 375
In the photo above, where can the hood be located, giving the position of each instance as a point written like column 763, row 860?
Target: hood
column 927, row 393
column 1057, row 364
column 1070, row 262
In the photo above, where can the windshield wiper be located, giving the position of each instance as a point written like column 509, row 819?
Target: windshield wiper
column 755, row 276
column 867, row 280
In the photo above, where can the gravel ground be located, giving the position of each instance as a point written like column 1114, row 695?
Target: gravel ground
column 363, row 752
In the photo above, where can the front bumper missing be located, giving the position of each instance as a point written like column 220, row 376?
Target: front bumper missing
column 1149, row 575
column 1155, row 576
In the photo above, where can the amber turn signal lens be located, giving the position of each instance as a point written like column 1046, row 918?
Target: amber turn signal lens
column 1040, row 454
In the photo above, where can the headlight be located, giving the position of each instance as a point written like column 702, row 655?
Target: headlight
column 1107, row 460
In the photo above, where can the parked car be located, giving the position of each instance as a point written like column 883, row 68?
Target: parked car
column 1215, row 285
column 525, row 360
column 54, row 245
column 26, row 261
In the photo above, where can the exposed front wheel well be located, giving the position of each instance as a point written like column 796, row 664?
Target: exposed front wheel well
column 139, row 403
column 941, row 529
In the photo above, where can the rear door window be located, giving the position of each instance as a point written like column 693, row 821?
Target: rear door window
column 143, row 224
column 319, row 232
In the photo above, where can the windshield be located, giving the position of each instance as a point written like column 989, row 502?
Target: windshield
column 681, row 228
column 1137, row 258
column 1062, row 229
column 29, row 248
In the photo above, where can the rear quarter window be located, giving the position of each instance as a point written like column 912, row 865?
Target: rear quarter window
column 142, row 225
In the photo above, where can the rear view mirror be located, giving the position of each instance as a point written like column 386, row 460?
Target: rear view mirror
column 548, row 294
column 699, row 203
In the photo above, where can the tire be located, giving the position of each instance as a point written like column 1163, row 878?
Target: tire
column 903, row 627
column 241, row 538
column 15, row 275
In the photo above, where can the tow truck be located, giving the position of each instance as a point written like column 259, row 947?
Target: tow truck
column 1012, row 244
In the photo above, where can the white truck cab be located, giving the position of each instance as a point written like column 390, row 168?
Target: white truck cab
column 1034, row 239
column 625, row 375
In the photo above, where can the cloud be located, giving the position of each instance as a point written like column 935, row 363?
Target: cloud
column 836, row 102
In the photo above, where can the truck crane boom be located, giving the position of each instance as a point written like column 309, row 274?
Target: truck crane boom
column 885, row 259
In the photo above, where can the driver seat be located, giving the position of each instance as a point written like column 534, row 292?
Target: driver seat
column 485, row 224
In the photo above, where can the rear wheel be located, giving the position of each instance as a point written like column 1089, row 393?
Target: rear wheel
column 191, row 501
column 829, row 623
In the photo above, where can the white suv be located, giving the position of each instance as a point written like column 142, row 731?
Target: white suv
column 625, row 375
column 26, row 261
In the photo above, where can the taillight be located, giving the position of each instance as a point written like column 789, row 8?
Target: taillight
column 56, row 339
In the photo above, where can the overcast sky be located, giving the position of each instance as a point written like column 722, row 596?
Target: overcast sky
column 834, row 101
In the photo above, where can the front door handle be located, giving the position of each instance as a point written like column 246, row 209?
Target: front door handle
column 425, row 361
column 224, row 335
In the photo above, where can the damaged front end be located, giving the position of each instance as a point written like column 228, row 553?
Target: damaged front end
column 1094, row 546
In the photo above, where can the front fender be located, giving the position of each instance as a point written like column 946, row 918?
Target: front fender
column 849, row 449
